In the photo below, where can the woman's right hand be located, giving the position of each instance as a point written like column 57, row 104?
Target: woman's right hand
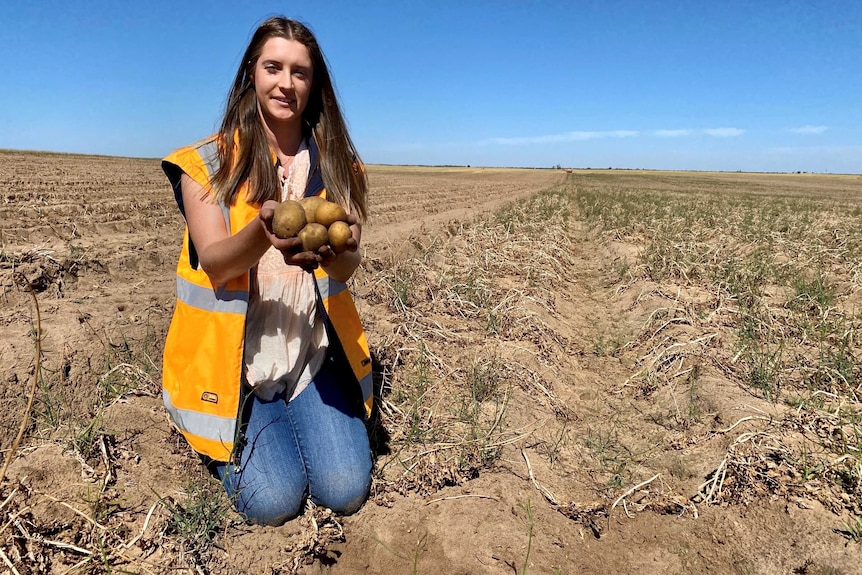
column 290, row 248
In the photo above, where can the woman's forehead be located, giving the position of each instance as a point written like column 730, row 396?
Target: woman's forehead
column 282, row 49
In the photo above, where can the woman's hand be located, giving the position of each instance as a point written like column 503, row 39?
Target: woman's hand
column 290, row 248
column 341, row 266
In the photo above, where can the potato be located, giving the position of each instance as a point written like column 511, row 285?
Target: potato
column 313, row 236
column 339, row 233
column 329, row 212
column 288, row 220
column 311, row 203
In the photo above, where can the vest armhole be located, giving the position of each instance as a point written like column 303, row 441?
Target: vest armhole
column 175, row 174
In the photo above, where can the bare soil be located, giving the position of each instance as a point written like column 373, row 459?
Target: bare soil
column 591, row 477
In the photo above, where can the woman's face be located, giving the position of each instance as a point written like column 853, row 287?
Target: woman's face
column 282, row 82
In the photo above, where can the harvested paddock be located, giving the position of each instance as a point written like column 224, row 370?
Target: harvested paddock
column 578, row 372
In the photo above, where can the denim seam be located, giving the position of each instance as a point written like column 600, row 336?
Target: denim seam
column 299, row 448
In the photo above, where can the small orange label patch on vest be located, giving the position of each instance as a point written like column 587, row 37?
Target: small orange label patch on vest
column 209, row 396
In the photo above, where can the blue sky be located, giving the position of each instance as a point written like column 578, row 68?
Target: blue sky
column 753, row 85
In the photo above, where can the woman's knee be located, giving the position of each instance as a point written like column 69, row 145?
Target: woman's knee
column 265, row 498
column 268, row 505
column 344, row 493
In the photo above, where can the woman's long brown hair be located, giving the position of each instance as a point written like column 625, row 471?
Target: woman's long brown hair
column 251, row 159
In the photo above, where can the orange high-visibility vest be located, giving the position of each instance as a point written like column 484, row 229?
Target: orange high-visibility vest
column 203, row 356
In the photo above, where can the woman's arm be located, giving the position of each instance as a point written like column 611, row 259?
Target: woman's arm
column 222, row 256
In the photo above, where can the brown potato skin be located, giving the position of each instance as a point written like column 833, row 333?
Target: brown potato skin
column 310, row 204
column 313, row 236
column 339, row 234
column 328, row 213
column 288, row 219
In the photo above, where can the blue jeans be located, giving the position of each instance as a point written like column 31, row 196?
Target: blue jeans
column 315, row 446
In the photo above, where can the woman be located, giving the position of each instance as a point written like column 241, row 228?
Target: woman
column 266, row 366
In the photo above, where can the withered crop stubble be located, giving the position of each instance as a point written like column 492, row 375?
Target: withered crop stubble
column 559, row 357
column 775, row 264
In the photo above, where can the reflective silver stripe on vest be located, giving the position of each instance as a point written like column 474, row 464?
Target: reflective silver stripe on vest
column 221, row 300
column 225, row 212
column 201, row 424
column 367, row 385
column 209, row 154
column 330, row 287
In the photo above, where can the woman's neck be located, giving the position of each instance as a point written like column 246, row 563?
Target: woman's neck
column 285, row 141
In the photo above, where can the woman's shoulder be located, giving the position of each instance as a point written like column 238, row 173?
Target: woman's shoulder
column 204, row 147
column 199, row 160
column 200, row 155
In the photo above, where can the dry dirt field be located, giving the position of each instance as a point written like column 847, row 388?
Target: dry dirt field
column 577, row 372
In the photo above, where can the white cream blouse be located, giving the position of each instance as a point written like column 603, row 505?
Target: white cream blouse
column 285, row 338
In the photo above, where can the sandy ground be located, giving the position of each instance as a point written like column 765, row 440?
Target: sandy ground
column 97, row 237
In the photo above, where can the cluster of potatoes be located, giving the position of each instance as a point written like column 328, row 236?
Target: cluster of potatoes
column 315, row 221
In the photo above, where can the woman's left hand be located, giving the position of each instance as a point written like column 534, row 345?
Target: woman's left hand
column 328, row 255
